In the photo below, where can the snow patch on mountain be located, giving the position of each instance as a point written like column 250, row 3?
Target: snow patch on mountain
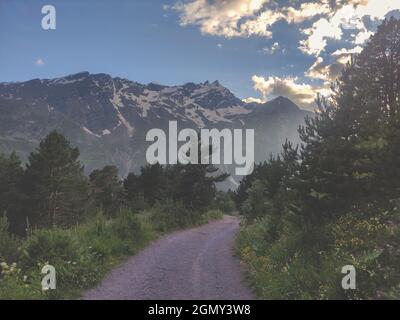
column 90, row 132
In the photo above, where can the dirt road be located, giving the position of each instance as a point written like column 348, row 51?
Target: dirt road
column 192, row 264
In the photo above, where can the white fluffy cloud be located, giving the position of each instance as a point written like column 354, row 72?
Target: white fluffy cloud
column 232, row 18
column 320, row 22
column 348, row 15
column 302, row 94
column 306, row 11
column 317, row 36
column 242, row 18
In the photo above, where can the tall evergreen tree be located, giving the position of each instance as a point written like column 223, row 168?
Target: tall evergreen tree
column 106, row 189
column 11, row 173
column 153, row 183
column 196, row 185
column 55, row 183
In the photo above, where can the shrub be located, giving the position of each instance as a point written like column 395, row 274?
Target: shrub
column 117, row 237
column 371, row 245
column 9, row 245
column 49, row 246
column 278, row 269
column 289, row 267
column 224, row 203
column 99, row 239
column 213, row 214
column 131, row 227
column 81, row 255
column 256, row 204
column 14, row 285
column 168, row 215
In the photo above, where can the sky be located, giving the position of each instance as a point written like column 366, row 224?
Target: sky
column 259, row 49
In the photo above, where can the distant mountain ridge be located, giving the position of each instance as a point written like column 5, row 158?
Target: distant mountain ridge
column 108, row 118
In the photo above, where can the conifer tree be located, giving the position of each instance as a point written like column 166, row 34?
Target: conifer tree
column 106, row 189
column 11, row 173
column 55, row 184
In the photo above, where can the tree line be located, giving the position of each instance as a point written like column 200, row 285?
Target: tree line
column 51, row 190
column 346, row 170
column 349, row 157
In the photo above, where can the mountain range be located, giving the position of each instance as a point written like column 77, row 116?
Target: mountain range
column 108, row 118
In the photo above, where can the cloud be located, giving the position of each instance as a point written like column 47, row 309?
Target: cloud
column 39, row 62
column 272, row 49
column 343, row 55
column 326, row 72
column 363, row 36
column 251, row 100
column 302, row 94
column 348, row 15
column 318, row 35
column 306, row 11
column 234, row 18
column 319, row 70
column 244, row 18
column 329, row 72
column 320, row 22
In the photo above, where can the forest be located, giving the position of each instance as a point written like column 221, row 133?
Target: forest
column 52, row 213
column 330, row 202
column 333, row 200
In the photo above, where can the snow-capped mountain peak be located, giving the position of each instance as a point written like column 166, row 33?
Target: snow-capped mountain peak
column 99, row 112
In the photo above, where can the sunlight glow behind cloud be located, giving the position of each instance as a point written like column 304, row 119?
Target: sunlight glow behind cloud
column 319, row 22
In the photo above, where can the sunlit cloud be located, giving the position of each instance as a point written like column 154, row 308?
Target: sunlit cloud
column 306, row 11
column 349, row 16
column 330, row 71
column 253, row 100
column 234, row 18
column 302, row 94
column 321, row 24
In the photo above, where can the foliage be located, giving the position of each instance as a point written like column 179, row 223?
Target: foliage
column 83, row 254
column 224, row 202
column 54, row 183
column 334, row 200
column 8, row 243
column 106, row 189
column 11, row 173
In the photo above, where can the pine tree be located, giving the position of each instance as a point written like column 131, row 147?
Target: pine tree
column 55, row 184
column 106, row 189
column 196, row 186
column 350, row 150
column 11, row 173
column 153, row 183
column 196, row 183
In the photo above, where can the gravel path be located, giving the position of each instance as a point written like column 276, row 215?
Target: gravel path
column 192, row 264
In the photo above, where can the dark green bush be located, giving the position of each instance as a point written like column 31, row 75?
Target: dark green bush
column 50, row 246
column 9, row 245
column 169, row 215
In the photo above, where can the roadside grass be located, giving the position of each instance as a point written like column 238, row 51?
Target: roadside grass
column 284, row 267
column 82, row 255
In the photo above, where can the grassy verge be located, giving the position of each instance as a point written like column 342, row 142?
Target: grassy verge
column 84, row 254
column 284, row 265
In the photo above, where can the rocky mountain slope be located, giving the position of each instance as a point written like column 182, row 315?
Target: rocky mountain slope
column 108, row 118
